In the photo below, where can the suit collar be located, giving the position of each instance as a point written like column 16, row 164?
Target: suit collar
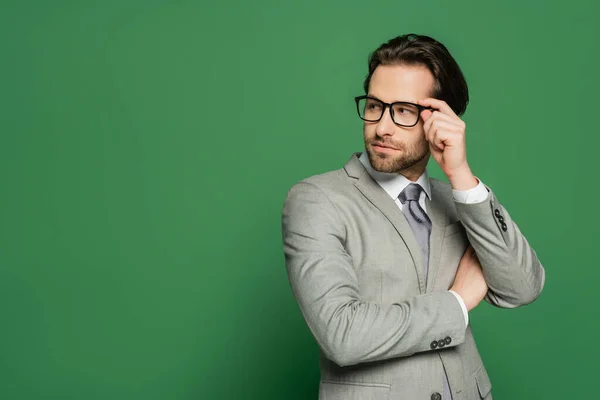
column 354, row 167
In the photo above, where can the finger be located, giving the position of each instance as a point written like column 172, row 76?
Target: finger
column 440, row 132
column 472, row 252
column 439, row 140
column 438, row 116
column 426, row 114
column 431, row 132
column 445, row 117
column 427, row 124
column 438, row 105
column 444, row 138
column 468, row 250
column 437, row 125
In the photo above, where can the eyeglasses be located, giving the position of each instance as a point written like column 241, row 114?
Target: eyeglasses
column 403, row 113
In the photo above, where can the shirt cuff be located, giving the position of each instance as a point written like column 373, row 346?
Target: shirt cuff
column 475, row 195
column 463, row 306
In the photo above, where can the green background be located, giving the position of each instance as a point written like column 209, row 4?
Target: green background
column 146, row 149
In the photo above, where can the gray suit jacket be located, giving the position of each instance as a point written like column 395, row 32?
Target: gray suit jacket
column 357, row 273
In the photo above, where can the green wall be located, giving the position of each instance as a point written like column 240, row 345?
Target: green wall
column 146, row 148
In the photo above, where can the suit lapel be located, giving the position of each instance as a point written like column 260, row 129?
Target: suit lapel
column 439, row 220
column 380, row 199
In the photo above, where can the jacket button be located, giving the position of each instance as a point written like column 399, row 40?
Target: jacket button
column 496, row 212
column 448, row 340
column 442, row 343
column 434, row 344
column 436, row 396
column 504, row 227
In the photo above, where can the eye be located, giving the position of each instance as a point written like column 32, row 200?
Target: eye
column 405, row 109
column 373, row 105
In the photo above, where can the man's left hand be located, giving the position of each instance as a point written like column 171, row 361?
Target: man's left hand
column 445, row 132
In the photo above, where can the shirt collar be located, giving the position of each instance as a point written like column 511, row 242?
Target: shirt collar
column 393, row 183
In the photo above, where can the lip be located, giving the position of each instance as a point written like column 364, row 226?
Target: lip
column 383, row 147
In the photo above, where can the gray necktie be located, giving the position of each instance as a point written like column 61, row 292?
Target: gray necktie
column 421, row 226
column 417, row 219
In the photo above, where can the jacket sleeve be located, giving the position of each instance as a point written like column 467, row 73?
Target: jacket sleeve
column 511, row 268
column 321, row 273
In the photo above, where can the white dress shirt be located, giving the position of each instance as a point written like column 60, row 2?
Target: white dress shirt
column 394, row 184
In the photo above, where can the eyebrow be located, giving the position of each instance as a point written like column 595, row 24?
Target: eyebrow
column 396, row 101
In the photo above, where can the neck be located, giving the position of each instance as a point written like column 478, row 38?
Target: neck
column 413, row 172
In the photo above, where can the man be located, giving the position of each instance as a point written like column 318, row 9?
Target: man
column 385, row 262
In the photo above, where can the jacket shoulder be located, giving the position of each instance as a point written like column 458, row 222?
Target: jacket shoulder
column 330, row 181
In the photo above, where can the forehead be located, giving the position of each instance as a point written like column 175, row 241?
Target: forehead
column 401, row 83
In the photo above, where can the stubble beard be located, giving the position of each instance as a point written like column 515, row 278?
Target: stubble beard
column 408, row 157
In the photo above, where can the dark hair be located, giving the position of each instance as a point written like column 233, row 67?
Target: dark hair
column 412, row 49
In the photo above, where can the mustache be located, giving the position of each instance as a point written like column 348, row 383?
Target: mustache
column 398, row 146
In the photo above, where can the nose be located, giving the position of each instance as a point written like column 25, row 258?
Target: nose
column 385, row 126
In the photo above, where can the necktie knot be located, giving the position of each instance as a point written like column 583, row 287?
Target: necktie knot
column 410, row 193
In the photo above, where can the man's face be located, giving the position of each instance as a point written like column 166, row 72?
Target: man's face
column 393, row 148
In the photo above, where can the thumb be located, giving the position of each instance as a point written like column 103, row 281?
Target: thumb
column 425, row 114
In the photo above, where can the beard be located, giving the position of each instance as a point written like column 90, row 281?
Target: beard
column 408, row 156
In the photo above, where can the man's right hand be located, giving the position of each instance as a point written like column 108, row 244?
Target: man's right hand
column 469, row 282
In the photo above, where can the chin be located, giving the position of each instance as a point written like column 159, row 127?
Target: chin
column 386, row 167
column 393, row 164
column 384, row 163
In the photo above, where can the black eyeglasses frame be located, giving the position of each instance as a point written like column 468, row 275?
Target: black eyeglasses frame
column 357, row 100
